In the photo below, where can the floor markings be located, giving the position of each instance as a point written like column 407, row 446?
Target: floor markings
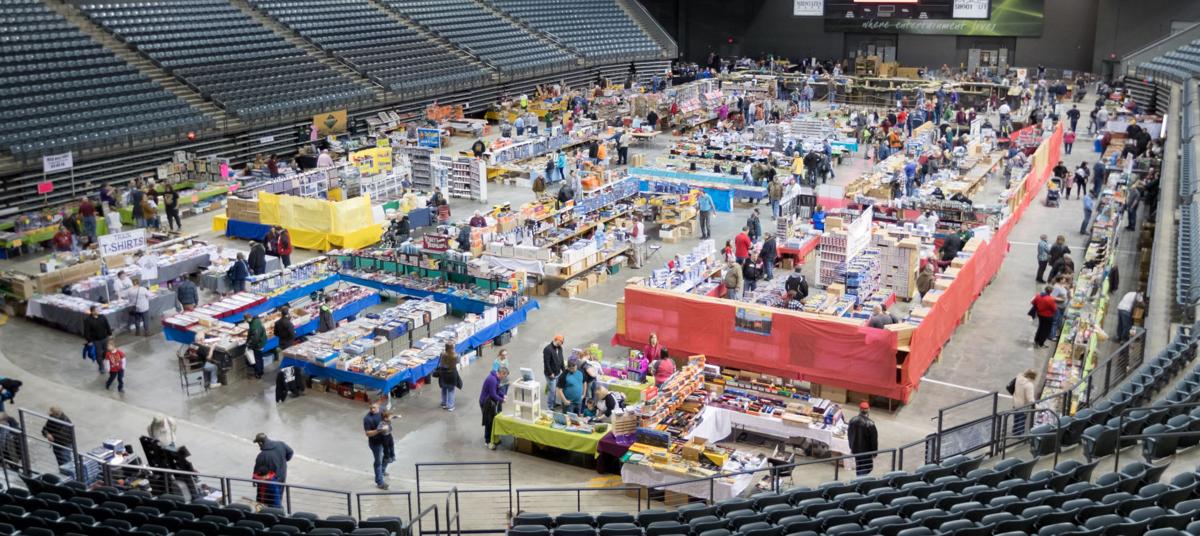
column 585, row 300
column 963, row 387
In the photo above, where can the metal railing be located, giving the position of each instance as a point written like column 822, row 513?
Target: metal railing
column 487, row 486
column 1131, row 60
column 1105, row 377
column 370, row 504
column 555, row 501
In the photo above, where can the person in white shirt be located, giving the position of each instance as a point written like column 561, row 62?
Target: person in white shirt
column 139, row 296
column 1125, row 314
column 324, row 160
column 928, row 220
column 637, row 236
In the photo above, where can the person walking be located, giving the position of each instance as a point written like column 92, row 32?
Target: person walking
column 283, row 246
column 754, row 226
column 863, row 439
column 96, row 332
column 239, row 273
column 1043, row 309
column 775, row 194
column 1023, row 395
column 256, row 340
column 187, row 296
column 1081, row 177
column 552, row 367
column 448, row 377
column 733, row 280
column 637, row 237
column 1131, row 206
column 1125, row 314
column 1098, row 175
column 1073, row 116
column 376, row 428
column 1088, row 205
column 87, row 211
column 706, row 207
column 258, row 258
column 59, row 431
column 491, row 397
column 140, row 296
column 171, row 207
column 623, row 148
column 136, row 196
column 1043, row 257
column 115, row 358
column 1068, row 141
column 270, row 465
column 768, row 253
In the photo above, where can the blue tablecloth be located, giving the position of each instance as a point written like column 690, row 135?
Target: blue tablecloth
column 456, row 303
column 182, row 336
column 507, row 323
column 292, row 295
column 420, row 217
column 246, row 230
column 357, row 378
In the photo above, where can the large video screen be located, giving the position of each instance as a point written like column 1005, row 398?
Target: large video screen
column 1020, row 18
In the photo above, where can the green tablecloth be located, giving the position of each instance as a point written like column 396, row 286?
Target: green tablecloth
column 633, row 393
column 47, row 233
column 184, row 200
column 505, row 425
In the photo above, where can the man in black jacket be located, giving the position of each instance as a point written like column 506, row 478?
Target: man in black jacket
column 258, row 259
column 798, row 283
column 863, row 437
column 285, row 331
column 552, row 366
column 96, row 332
column 271, row 464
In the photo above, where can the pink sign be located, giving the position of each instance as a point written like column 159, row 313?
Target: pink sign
column 45, row 187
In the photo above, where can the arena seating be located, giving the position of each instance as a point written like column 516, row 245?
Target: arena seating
column 599, row 29
column 954, row 498
column 60, row 90
column 1177, row 65
column 227, row 56
column 497, row 41
column 375, row 45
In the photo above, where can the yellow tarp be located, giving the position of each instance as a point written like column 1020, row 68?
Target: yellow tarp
column 352, row 214
column 317, row 224
column 268, row 208
column 307, row 214
column 219, row 223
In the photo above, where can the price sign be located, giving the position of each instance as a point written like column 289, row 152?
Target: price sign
column 437, row 242
column 57, row 162
column 112, row 244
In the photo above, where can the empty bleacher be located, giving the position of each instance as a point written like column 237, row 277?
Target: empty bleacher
column 599, row 29
column 1177, row 65
column 368, row 40
column 61, row 91
column 494, row 39
column 229, row 57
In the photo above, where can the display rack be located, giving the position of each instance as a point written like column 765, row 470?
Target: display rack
column 420, row 160
column 465, row 177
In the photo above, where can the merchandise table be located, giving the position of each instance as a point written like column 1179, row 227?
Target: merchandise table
column 615, row 445
column 505, row 425
column 170, row 272
column 456, row 303
column 246, row 230
column 217, row 282
column 718, row 423
column 71, row 321
column 183, row 336
column 292, row 295
column 357, row 378
column 802, row 252
column 510, row 321
column 720, row 489
column 631, row 390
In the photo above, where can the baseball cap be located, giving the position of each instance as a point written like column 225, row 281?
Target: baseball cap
column 864, row 405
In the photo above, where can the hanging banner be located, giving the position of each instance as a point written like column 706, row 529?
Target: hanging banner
column 1018, row 18
column 429, row 137
column 330, row 123
column 52, row 163
column 114, row 243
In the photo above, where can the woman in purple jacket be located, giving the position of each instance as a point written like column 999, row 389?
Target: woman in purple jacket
column 490, row 399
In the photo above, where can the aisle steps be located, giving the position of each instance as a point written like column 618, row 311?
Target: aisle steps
column 143, row 64
column 301, row 43
column 425, row 32
column 487, row 6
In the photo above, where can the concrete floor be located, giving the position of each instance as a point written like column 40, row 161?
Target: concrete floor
column 991, row 347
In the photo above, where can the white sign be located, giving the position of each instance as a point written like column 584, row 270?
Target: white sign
column 971, row 9
column 112, row 244
column 808, row 8
column 265, row 140
column 976, row 129
column 57, row 162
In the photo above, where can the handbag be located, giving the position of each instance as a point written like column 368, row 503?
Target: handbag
column 1012, row 386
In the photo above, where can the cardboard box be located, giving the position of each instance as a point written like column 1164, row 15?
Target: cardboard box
column 833, row 394
column 694, row 448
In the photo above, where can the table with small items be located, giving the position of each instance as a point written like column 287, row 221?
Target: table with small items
column 542, row 432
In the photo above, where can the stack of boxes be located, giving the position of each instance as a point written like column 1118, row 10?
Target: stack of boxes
column 901, row 259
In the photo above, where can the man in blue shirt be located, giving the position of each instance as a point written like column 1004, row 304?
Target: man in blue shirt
column 910, row 177
column 1088, row 204
column 570, row 388
column 376, row 430
column 706, row 208
column 1098, row 177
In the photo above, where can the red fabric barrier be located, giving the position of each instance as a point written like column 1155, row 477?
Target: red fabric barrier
column 799, row 346
column 943, row 318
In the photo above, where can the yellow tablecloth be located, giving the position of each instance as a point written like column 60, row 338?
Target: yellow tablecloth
column 505, row 425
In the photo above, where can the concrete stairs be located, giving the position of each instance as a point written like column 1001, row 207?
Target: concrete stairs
column 545, row 37
column 429, row 34
column 143, row 64
column 301, row 43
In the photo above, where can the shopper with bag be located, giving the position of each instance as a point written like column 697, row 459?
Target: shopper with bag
column 256, row 340
column 96, row 332
column 140, row 296
column 238, row 273
column 114, row 358
column 1022, row 390
column 283, row 246
column 491, row 398
column 271, row 466
column 1043, row 309
column 448, row 377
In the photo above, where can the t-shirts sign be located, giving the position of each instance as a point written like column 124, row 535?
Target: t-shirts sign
column 52, row 163
column 112, row 244
column 808, row 8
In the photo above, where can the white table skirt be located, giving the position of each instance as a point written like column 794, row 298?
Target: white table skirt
column 718, row 423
